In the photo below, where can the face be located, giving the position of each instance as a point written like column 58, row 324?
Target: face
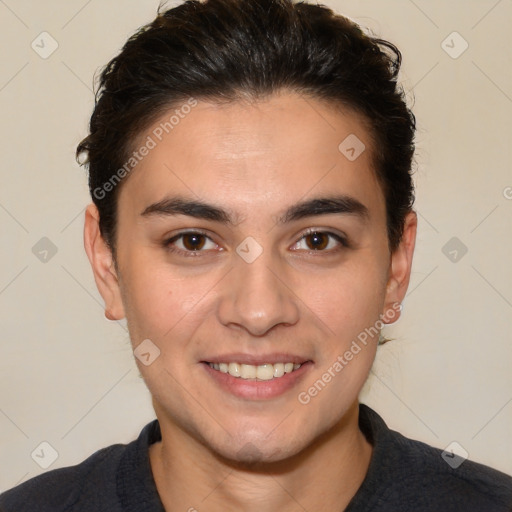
column 248, row 242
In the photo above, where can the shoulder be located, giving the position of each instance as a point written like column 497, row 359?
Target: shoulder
column 115, row 478
column 449, row 481
column 413, row 475
column 64, row 488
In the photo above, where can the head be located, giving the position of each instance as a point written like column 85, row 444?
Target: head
column 250, row 170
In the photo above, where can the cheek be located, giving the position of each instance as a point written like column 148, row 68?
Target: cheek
column 350, row 300
column 161, row 304
column 351, row 307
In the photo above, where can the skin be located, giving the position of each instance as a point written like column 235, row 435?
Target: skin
column 220, row 451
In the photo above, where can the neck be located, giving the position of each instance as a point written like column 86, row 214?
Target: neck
column 322, row 477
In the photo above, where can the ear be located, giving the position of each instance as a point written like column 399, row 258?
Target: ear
column 100, row 257
column 400, row 270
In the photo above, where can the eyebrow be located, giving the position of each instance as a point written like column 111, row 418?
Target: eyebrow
column 340, row 204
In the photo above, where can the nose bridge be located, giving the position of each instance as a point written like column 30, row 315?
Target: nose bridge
column 256, row 296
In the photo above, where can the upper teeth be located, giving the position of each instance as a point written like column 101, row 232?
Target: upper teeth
column 265, row 371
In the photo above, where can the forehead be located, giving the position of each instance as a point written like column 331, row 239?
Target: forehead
column 255, row 156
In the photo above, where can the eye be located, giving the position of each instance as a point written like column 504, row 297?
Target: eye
column 322, row 241
column 189, row 243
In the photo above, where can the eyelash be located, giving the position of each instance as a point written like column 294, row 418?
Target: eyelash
column 168, row 244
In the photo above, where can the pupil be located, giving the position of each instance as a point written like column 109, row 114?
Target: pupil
column 317, row 240
column 195, row 242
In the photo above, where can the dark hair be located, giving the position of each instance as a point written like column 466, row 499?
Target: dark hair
column 231, row 50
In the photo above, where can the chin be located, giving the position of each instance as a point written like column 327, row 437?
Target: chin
column 254, row 451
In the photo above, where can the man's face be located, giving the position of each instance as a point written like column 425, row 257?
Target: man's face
column 265, row 288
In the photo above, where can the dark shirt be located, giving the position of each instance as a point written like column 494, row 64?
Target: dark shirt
column 404, row 476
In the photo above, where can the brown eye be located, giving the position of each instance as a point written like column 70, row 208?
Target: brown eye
column 193, row 241
column 190, row 243
column 321, row 241
column 318, row 241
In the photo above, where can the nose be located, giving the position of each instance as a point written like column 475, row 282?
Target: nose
column 257, row 296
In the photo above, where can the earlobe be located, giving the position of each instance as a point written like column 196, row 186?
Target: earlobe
column 100, row 258
column 400, row 270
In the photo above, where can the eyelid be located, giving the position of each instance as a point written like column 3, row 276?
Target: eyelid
column 339, row 237
column 168, row 242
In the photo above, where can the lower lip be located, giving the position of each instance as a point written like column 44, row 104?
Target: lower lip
column 258, row 389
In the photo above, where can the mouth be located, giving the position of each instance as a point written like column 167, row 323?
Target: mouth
column 254, row 379
column 265, row 371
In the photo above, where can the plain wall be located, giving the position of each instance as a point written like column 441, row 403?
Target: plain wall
column 67, row 375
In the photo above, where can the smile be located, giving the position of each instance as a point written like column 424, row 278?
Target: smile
column 267, row 371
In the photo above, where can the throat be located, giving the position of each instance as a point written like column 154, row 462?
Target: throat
column 338, row 472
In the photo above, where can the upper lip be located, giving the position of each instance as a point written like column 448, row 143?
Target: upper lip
column 256, row 359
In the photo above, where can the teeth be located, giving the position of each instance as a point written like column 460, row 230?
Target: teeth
column 265, row 371
column 234, row 369
column 248, row 371
column 278, row 370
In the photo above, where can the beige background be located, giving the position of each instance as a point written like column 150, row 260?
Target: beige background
column 67, row 375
